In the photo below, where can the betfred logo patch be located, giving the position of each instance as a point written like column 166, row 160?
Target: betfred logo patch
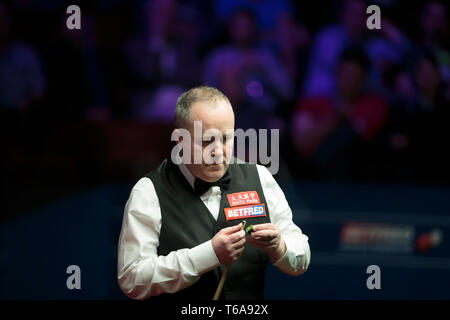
column 245, row 212
column 243, row 198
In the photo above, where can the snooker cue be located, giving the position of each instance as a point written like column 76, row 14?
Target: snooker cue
column 224, row 274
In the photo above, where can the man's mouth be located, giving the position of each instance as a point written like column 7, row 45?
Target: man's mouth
column 213, row 165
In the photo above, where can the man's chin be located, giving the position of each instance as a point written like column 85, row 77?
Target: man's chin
column 214, row 172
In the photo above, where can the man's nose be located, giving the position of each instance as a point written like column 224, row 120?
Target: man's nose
column 218, row 149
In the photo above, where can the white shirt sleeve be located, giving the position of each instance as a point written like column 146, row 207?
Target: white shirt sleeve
column 298, row 255
column 141, row 272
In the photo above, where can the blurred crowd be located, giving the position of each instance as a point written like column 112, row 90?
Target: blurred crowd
column 350, row 103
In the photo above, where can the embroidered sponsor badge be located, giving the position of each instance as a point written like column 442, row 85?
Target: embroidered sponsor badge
column 244, row 212
column 243, row 198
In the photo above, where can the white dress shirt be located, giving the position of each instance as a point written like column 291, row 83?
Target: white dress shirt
column 142, row 273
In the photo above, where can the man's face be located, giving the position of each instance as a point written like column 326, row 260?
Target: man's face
column 349, row 79
column 353, row 16
column 427, row 76
column 434, row 19
column 241, row 29
column 217, row 120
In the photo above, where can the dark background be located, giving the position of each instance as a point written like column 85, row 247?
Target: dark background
column 363, row 117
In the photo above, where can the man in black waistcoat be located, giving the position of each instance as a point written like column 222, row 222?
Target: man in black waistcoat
column 182, row 222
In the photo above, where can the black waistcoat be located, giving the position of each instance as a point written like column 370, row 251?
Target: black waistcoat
column 187, row 222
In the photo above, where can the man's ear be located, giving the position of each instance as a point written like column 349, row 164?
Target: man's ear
column 176, row 133
column 181, row 151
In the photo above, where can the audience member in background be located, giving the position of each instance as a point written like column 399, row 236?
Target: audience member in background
column 329, row 42
column 22, row 87
column 419, row 129
column 22, row 79
column 290, row 42
column 165, row 56
column 383, row 47
column 435, row 37
column 435, row 34
column 265, row 11
column 331, row 132
column 251, row 76
column 386, row 47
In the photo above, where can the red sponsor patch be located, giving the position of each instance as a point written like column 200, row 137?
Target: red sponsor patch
column 243, row 198
column 245, row 212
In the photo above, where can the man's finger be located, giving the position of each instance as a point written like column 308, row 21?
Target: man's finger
column 254, row 241
column 238, row 253
column 237, row 236
column 264, row 234
column 258, row 243
column 264, row 226
column 233, row 229
column 239, row 244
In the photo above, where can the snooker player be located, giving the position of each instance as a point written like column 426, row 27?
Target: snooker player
column 181, row 224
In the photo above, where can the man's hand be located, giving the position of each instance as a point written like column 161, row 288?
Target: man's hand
column 228, row 244
column 267, row 237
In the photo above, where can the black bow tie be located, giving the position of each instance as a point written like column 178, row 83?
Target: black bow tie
column 200, row 186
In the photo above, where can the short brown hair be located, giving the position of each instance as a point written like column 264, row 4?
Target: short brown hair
column 193, row 95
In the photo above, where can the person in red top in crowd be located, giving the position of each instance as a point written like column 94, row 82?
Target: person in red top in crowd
column 327, row 128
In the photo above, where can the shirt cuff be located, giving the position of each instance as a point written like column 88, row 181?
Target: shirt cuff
column 290, row 262
column 282, row 260
column 203, row 257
